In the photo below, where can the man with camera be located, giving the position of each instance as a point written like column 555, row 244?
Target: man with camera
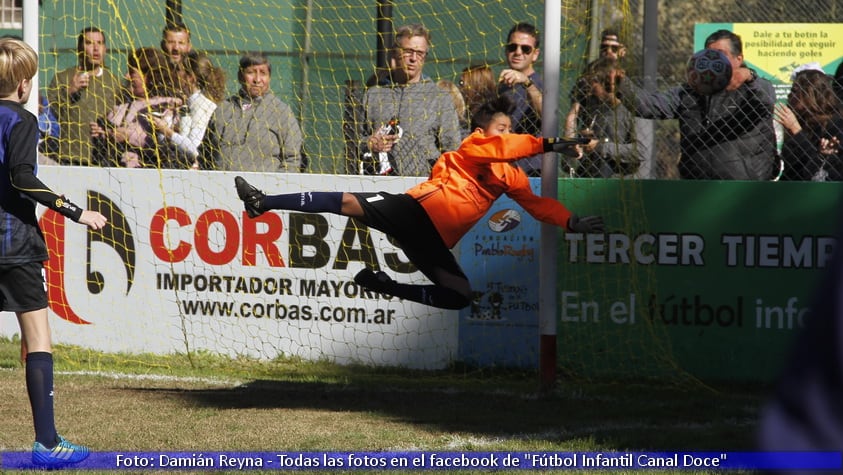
column 620, row 142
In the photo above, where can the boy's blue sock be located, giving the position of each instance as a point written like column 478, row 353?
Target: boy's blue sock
column 308, row 201
column 39, row 386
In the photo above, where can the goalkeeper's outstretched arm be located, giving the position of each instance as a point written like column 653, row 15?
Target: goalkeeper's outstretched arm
column 560, row 145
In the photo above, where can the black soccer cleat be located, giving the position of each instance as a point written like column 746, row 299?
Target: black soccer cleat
column 375, row 281
column 251, row 196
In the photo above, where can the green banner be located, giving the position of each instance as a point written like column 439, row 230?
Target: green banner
column 704, row 279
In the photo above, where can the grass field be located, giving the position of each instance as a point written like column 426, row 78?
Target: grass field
column 207, row 403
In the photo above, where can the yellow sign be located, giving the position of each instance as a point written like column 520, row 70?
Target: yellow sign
column 775, row 50
column 779, row 48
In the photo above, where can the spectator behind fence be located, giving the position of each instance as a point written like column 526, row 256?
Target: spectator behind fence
column 424, row 112
column 127, row 136
column 80, row 94
column 49, row 129
column 813, row 125
column 459, row 104
column 523, row 85
column 838, row 82
column 175, row 41
column 620, row 142
column 724, row 136
column 188, row 135
column 254, row 130
column 478, row 86
column 610, row 48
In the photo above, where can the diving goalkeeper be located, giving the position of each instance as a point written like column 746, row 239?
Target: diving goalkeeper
column 430, row 218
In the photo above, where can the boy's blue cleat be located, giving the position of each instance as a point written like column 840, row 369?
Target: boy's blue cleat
column 64, row 453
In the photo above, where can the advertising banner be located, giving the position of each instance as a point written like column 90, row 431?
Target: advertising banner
column 500, row 256
column 703, row 279
column 182, row 268
column 709, row 279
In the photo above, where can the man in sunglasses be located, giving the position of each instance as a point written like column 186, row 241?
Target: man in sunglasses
column 610, row 45
column 610, row 48
column 523, row 85
column 621, row 145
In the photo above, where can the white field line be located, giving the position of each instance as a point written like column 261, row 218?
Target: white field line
column 153, row 377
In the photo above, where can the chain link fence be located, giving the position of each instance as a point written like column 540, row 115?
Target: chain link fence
column 676, row 42
column 324, row 90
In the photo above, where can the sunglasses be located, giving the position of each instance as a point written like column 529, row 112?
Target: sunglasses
column 612, row 48
column 513, row 47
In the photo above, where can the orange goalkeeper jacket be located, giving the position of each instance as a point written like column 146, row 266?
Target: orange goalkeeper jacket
column 464, row 183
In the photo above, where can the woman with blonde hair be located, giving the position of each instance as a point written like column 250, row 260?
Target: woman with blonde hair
column 478, row 86
column 459, row 104
column 204, row 86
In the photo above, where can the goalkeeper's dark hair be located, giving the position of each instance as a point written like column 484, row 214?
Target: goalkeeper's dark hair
column 484, row 114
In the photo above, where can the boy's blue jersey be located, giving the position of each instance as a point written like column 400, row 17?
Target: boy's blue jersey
column 21, row 240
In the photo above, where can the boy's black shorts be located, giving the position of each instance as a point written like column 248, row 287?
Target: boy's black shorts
column 403, row 218
column 22, row 287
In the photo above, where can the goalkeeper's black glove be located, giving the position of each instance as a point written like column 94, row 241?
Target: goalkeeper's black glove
column 560, row 145
column 586, row 224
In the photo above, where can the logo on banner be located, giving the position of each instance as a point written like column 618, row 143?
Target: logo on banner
column 504, row 220
column 117, row 235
